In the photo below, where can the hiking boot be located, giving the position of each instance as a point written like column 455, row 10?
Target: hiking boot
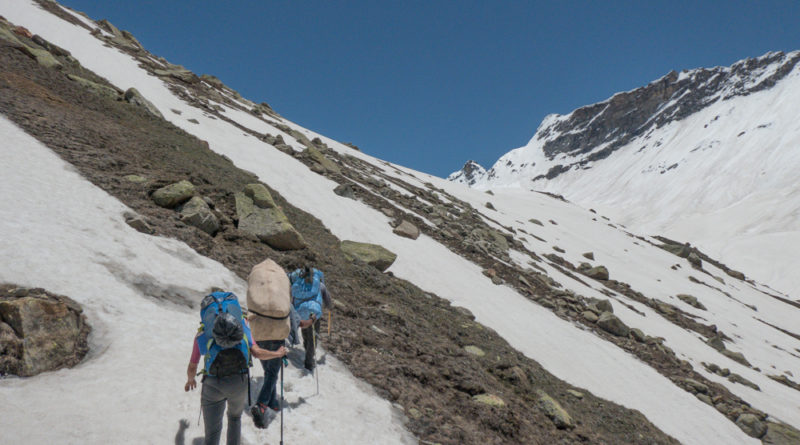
column 259, row 412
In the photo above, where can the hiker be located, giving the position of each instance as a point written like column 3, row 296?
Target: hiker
column 224, row 339
column 269, row 311
column 309, row 297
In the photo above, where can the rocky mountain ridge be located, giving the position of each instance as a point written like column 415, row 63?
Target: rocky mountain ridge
column 591, row 133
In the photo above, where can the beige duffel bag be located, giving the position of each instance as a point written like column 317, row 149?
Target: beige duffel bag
column 268, row 301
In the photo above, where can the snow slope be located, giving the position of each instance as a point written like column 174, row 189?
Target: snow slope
column 723, row 178
column 130, row 388
column 571, row 353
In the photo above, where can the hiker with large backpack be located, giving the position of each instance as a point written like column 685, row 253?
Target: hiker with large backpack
column 309, row 298
column 270, row 314
column 225, row 342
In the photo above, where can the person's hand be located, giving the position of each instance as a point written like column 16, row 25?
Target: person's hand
column 190, row 384
column 306, row 323
column 281, row 351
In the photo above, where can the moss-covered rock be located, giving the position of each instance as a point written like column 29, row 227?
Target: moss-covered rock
column 553, row 410
column 376, row 256
column 197, row 213
column 327, row 165
column 134, row 97
column 174, row 194
column 270, row 225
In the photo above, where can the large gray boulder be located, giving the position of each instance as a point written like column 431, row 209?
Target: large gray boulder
column 134, row 97
column 610, row 323
column 407, row 230
column 374, row 255
column 752, row 425
column 598, row 273
column 39, row 331
column 197, row 213
column 259, row 216
column 174, row 194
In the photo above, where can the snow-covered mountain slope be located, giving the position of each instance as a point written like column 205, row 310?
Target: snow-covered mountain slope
column 708, row 156
column 548, row 238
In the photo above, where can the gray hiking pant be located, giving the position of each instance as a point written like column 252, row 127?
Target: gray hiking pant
column 216, row 393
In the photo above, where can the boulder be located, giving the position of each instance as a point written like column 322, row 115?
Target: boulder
column 598, row 273
column 372, row 254
column 604, row 306
column 407, row 230
column 589, row 255
column 781, row 434
column 610, row 323
column 133, row 97
column 752, row 425
column 197, row 213
column 691, row 301
column 42, row 57
column 174, row 194
column 553, row 410
column 327, row 165
column 39, row 331
column 536, row 221
column 695, row 386
column 268, row 224
column 345, row 190
column 260, row 195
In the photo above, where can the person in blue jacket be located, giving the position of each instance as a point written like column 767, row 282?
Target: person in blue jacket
column 309, row 298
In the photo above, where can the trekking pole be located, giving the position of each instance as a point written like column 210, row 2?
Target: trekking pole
column 283, row 364
column 316, row 371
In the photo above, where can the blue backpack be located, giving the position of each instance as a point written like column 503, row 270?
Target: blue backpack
column 224, row 336
column 307, row 296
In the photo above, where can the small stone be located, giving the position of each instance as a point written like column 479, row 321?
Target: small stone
column 474, row 350
column 590, row 316
column 536, row 221
column 489, row 399
column 345, row 190
column 716, row 343
column 490, row 206
column 589, row 255
column 736, row 356
column 388, row 212
column 414, row 413
column 575, row 394
column 136, row 179
column 138, row 223
column 705, row 399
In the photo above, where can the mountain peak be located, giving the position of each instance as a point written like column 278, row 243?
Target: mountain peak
column 470, row 174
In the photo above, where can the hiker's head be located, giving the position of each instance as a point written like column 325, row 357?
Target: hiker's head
column 227, row 330
column 307, row 273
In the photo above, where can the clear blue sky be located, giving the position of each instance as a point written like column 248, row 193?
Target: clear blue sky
column 430, row 84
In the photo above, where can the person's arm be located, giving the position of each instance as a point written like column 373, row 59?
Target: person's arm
column 327, row 300
column 191, row 370
column 264, row 354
